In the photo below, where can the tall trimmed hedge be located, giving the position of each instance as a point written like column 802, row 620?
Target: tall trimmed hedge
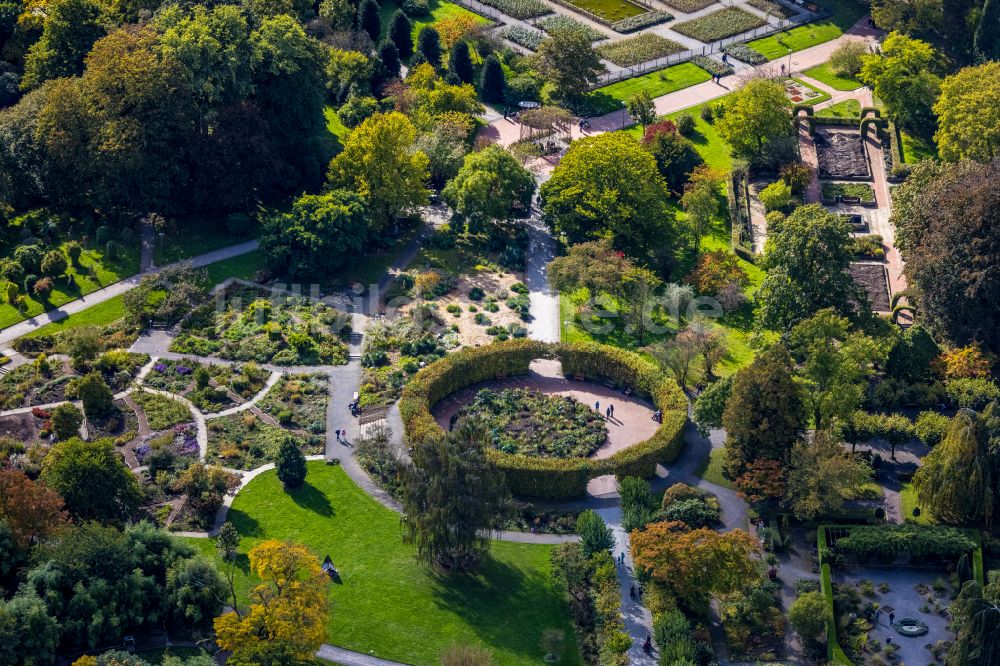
column 552, row 477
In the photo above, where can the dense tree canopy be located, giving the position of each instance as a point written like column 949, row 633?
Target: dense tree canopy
column 607, row 186
column 806, row 257
column 93, row 480
column 757, row 123
column 968, row 113
column 379, row 162
column 488, row 187
column 764, row 415
column 568, row 61
column 317, row 236
column 905, row 77
column 948, row 230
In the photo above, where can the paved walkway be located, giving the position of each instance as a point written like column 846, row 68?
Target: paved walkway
column 11, row 333
column 506, row 132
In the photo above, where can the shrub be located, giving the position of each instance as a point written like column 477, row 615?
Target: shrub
column 974, row 393
column 931, row 427
column 694, row 512
column 719, row 24
column 523, row 36
column 641, row 48
column 73, row 251
column 685, row 124
column 744, row 53
column 66, row 421
column 416, row 7
column 595, row 537
column 476, row 294
column 715, row 68
column 776, row 196
column 54, row 263
column 290, row 464
column 562, row 22
column 846, row 59
column 42, row 288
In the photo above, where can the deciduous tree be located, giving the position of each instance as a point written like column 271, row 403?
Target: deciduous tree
column 31, row 511
column 595, row 536
column 287, row 616
column 92, row 479
column 568, row 61
column 593, row 265
column 968, row 112
column 822, row 475
column 701, row 202
column 488, row 187
column 904, row 76
column 757, row 121
column 696, row 563
column 378, row 161
column 764, row 415
column 640, row 108
column 676, row 156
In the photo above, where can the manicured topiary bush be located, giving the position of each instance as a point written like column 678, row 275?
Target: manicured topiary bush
column 548, row 477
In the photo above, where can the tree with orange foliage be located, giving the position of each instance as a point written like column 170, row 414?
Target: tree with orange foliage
column 455, row 29
column 32, row 511
column 286, row 620
column 764, row 480
column 715, row 271
column 696, row 563
column 964, row 362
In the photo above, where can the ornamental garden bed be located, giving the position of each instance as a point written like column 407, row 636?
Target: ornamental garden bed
column 688, row 6
column 299, row 402
column 772, row 8
column 265, row 327
column 161, row 412
column 608, row 11
column 801, row 93
column 563, row 22
column 226, row 385
column 45, row 381
column 120, row 424
column 641, row 48
column 719, row 24
column 848, row 192
column 551, row 477
column 245, row 441
column 531, row 423
column 872, row 278
column 841, row 154
column 519, row 9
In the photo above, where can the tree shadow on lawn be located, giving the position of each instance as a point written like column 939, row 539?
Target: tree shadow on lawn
column 307, row 496
column 504, row 605
column 244, row 523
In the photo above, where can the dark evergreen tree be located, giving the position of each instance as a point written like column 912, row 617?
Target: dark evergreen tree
column 429, row 43
column 389, row 56
column 368, row 19
column 290, row 464
column 492, row 81
column 401, row 34
column 460, row 62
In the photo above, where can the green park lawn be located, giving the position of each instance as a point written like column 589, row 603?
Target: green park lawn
column 824, row 74
column 95, row 271
column 388, row 604
column 907, row 502
column 916, row 148
column 849, row 108
column 662, row 82
column 711, row 469
column 610, row 10
column 439, row 10
column 846, row 14
column 111, row 310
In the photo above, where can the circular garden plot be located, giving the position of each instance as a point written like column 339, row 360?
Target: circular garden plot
column 531, row 423
column 612, row 376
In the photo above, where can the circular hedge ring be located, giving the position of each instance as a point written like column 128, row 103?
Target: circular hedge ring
column 910, row 626
column 552, row 477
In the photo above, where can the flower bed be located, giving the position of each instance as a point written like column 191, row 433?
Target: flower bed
column 720, row 24
column 860, row 191
column 523, row 36
column 519, row 9
column 711, row 66
column 772, row 8
column 299, row 401
column 640, row 48
column 641, row 21
column 172, row 376
column 258, row 326
column 181, row 440
column 689, row 6
column 45, row 381
column 244, row 441
column 744, row 53
column 531, row 423
column 161, row 412
column 550, row 477
column 563, row 22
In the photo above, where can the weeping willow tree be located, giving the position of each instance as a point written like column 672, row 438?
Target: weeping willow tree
column 977, row 624
column 956, row 481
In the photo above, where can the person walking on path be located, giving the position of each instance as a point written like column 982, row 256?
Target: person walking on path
column 607, row 413
column 597, row 406
column 611, row 408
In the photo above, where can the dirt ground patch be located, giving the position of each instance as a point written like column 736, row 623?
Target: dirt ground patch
column 872, row 278
column 841, row 154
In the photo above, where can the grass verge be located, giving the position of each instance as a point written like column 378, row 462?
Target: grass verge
column 388, row 604
column 824, row 74
column 662, row 82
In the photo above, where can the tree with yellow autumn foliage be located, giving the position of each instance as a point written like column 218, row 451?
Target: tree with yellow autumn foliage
column 286, row 620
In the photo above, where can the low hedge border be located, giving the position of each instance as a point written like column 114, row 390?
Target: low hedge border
column 550, row 477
